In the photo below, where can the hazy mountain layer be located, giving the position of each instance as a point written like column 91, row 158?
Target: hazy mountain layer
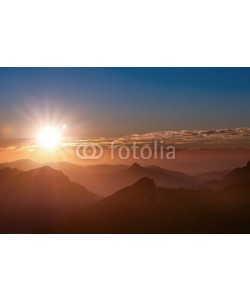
column 30, row 201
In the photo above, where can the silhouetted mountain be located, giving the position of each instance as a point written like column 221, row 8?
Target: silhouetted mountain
column 145, row 208
column 238, row 174
column 234, row 176
column 135, row 166
column 30, row 201
column 104, row 180
column 45, row 200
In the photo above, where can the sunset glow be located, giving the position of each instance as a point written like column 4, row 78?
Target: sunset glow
column 49, row 138
column 107, row 144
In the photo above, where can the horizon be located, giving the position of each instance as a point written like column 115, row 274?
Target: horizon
column 150, row 150
column 203, row 113
column 189, row 162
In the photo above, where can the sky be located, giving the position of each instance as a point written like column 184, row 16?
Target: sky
column 110, row 102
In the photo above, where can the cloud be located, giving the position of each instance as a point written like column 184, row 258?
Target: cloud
column 209, row 138
column 231, row 136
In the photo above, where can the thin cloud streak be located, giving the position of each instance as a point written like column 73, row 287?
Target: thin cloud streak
column 199, row 139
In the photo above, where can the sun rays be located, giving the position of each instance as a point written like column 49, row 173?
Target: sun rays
column 49, row 137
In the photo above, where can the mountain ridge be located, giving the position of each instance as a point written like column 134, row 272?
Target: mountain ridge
column 234, row 176
column 32, row 200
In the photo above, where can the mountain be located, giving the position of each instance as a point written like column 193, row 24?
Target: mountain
column 162, row 177
column 44, row 200
column 236, row 175
column 146, row 208
column 105, row 180
column 32, row 200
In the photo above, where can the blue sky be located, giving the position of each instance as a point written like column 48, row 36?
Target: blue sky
column 118, row 101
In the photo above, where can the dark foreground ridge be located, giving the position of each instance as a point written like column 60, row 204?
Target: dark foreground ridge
column 145, row 208
column 44, row 200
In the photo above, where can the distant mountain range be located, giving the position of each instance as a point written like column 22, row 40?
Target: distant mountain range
column 104, row 180
column 43, row 200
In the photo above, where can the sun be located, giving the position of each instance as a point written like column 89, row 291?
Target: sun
column 49, row 137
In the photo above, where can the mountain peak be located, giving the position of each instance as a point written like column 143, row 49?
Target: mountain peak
column 135, row 166
column 47, row 170
column 145, row 182
column 46, row 173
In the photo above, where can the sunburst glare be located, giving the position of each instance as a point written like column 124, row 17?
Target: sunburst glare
column 49, row 137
